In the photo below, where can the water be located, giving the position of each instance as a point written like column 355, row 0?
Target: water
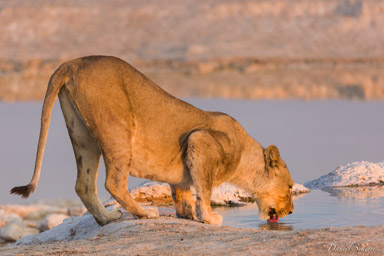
column 341, row 207
column 313, row 137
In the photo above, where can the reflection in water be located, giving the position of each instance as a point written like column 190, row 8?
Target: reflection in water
column 275, row 226
column 337, row 207
column 298, row 196
column 362, row 192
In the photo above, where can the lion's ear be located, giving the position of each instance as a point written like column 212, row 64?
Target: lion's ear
column 272, row 156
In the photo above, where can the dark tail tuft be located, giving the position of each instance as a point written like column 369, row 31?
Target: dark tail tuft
column 24, row 191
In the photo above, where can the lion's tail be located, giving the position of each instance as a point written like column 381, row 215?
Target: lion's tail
column 56, row 82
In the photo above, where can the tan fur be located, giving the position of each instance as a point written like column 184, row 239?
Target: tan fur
column 112, row 110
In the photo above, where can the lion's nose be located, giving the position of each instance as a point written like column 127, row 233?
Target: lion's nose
column 290, row 212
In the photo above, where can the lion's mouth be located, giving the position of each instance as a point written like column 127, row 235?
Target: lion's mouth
column 273, row 217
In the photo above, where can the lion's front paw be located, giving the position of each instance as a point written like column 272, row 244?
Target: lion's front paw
column 152, row 213
column 215, row 219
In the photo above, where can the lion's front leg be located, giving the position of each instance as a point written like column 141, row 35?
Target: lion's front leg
column 184, row 203
column 203, row 207
column 203, row 160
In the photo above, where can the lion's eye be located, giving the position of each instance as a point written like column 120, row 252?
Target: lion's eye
column 290, row 186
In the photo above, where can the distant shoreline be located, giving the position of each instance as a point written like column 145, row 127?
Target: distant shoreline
column 235, row 78
column 267, row 49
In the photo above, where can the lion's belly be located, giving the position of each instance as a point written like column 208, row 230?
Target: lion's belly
column 157, row 167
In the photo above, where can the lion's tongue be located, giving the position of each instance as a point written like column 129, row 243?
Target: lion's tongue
column 273, row 219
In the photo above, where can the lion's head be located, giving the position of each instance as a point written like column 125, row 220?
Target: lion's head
column 275, row 198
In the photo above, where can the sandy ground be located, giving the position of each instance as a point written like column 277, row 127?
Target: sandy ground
column 172, row 236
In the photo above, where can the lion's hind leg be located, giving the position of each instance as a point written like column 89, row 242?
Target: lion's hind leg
column 87, row 153
column 117, row 185
column 117, row 158
column 185, row 205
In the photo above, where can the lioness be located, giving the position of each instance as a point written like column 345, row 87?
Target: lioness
column 111, row 109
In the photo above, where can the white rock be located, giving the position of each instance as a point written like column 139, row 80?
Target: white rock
column 30, row 231
column 83, row 227
column 7, row 217
column 353, row 174
column 51, row 221
column 225, row 194
column 299, row 189
column 70, row 229
column 151, row 190
column 32, row 211
column 12, row 232
column 42, row 213
column 15, row 230
column 76, row 210
column 32, row 223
